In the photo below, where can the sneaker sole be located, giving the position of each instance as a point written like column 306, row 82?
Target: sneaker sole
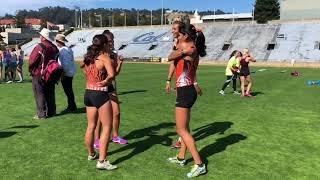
column 109, row 169
column 201, row 173
column 119, row 142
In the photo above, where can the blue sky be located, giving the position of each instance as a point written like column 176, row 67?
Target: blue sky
column 12, row 6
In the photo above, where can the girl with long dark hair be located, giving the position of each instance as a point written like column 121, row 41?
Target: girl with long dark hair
column 186, row 59
column 112, row 90
column 99, row 74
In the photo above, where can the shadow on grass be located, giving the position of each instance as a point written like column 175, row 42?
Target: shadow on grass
column 78, row 111
column 130, row 92
column 25, row 127
column 211, row 129
column 220, row 145
column 152, row 138
column 256, row 93
column 6, row 134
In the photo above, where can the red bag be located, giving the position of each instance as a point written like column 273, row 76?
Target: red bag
column 52, row 73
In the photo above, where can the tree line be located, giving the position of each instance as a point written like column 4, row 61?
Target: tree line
column 109, row 17
column 265, row 10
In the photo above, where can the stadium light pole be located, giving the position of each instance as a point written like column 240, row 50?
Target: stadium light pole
column 161, row 12
column 112, row 20
column 125, row 19
column 151, row 17
column 100, row 16
column 89, row 20
column 232, row 16
column 214, row 15
column 138, row 18
column 81, row 18
column 252, row 22
column 75, row 18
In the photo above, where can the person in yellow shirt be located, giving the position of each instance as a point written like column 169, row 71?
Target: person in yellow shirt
column 232, row 72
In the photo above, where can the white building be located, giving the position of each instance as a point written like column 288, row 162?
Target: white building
column 196, row 19
column 300, row 9
column 228, row 17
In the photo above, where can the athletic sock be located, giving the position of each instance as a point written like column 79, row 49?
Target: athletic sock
column 200, row 165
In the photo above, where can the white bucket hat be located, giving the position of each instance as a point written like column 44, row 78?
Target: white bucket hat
column 45, row 33
column 61, row 38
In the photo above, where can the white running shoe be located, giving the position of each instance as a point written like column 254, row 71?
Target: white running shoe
column 176, row 160
column 221, row 92
column 94, row 157
column 105, row 165
column 197, row 171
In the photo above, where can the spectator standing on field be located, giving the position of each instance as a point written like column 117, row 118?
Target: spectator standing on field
column 6, row 64
column 44, row 93
column 66, row 60
column 20, row 56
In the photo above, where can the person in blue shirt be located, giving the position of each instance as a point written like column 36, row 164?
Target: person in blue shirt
column 6, row 64
column 12, row 65
column 1, row 63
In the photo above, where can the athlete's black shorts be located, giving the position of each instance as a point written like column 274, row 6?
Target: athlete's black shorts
column 111, row 88
column 186, row 96
column 95, row 98
column 245, row 74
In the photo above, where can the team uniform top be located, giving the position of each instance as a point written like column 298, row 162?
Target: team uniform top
column 94, row 76
column 185, row 72
column 244, row 70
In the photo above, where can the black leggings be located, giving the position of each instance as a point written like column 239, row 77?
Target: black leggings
column 227, row 82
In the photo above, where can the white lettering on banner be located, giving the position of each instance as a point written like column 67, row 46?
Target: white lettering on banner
column 147, row 38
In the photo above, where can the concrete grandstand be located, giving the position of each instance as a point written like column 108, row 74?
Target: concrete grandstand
column 272, row 42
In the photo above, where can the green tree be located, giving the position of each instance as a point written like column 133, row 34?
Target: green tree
column 20, row 21
column 266, row 10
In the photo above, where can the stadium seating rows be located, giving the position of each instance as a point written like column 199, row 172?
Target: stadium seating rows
column 274, row 42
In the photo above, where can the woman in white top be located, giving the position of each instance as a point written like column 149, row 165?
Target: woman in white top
column 66, row 59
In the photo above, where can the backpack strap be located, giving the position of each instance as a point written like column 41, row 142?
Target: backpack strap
column 42, row 56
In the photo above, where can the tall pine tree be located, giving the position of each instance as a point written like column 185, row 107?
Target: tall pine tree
column 266, row 10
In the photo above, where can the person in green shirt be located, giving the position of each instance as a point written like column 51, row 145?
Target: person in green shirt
column 232, row 72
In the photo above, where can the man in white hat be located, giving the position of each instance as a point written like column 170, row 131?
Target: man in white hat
column 66, row 60
column 44, row 93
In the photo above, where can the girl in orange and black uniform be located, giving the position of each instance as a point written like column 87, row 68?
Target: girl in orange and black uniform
column 186, row 59
column 99, row 74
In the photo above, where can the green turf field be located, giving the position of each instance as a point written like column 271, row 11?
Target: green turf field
column 274, row 135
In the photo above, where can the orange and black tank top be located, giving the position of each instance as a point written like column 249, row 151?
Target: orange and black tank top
column 94, row 75
column 185, row 72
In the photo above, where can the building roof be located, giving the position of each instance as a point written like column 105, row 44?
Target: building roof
column 7, row 22
column 33, row 21
column 228, row 16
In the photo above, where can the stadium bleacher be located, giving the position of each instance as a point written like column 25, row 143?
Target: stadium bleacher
column 271, row 42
